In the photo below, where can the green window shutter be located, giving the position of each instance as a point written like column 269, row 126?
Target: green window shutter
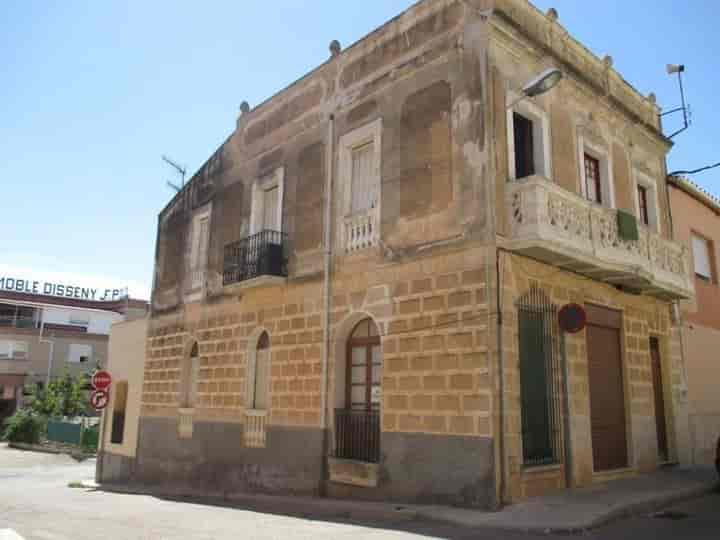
column 534, row 389
column 627, row 226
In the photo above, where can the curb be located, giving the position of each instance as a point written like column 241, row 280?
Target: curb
column 300, row 506
column 612, row 515
column 313, row 507
column 45, row 450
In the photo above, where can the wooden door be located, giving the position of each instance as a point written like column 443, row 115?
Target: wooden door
column 607, row 396
column 660, row 422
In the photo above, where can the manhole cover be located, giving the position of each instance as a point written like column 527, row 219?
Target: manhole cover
column 669, row 514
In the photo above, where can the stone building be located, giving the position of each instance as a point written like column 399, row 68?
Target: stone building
column 356, row 295
column 696, row 222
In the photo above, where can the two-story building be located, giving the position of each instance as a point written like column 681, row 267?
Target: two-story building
column 44, row 335
column 357, row 294
column 696, row 222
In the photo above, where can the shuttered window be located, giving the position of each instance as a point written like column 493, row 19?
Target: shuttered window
column 702, row 257
column 260, row 372
column 200, row 241
column 270, row 209
column 362, row 188
column 539, row 380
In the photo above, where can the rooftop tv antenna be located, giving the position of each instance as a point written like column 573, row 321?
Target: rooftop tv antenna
column 180, row 170
column 679, row 69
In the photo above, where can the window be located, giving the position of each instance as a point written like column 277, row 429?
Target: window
column 359, row 154
column 365, row 367
column 528, row 140
column 189, row 378
column 360, row 168
column 702, row 257
column 267, row 201
column 118, row 419
column 260, row 371
column 643, row 213
column 79, row 353
column 79, row 318
column 596, row 179
column 199, row 249
column 15, row 350
column 647, row 201
column 361, row 184
column 524, row 155
column 593, row 187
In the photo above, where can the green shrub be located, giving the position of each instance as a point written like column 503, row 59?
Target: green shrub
column 24, row 427
column 89, row 441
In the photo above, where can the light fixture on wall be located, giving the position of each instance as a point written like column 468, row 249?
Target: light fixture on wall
column 685, row 108
column 539, row 85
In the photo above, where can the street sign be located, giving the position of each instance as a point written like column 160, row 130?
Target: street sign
column 99, row 399
column 572, row 318
column 101, row 380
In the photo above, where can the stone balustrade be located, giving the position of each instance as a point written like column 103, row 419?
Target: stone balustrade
column 361, row 230
column 559, row 227
column 255, row 423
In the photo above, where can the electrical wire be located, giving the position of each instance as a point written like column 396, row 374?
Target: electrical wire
column 701, row 169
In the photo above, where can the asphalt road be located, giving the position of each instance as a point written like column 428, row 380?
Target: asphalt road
column 37, row 504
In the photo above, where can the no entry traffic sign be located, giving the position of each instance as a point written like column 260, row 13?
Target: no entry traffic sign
column 101, row 380
column 99, row 399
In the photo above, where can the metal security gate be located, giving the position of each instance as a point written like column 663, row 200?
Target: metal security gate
column 540, row 379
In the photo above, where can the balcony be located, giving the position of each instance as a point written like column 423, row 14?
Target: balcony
column 361, row 230
column 262, row 254
column 555, row 226
column 357, row 435
column 18, row 322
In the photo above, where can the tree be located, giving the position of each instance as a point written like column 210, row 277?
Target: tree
column 64, row 396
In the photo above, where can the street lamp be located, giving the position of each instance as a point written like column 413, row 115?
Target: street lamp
column 539, row 85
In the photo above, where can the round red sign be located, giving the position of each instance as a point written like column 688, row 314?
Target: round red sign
column 572, row 318
column 99, row 399
column 101, row 380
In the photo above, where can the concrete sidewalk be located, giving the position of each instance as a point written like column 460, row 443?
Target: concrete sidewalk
column 565, row 512
column 589, row 507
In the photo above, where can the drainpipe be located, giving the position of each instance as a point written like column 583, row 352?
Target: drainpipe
column 51, row 351
column 326, row 290
column 501, row 379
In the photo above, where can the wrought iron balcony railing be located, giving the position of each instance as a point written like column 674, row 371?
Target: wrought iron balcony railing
column 357, row 434
column 262, row 254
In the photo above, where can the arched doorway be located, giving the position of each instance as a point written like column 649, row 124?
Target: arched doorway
column 358, row 424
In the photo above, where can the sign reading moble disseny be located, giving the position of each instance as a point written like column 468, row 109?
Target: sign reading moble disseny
column 63, row 290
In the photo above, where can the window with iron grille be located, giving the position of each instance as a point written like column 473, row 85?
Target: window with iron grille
column 540, row 380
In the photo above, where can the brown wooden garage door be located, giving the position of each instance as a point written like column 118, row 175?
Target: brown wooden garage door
column 607, row 399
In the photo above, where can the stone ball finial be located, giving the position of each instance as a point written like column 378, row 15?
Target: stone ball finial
column 552, row 14
column 244, row 107
column 608, row 60
column 335, row 48
column 652, row 97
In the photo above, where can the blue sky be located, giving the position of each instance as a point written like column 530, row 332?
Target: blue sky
column 92, row 93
